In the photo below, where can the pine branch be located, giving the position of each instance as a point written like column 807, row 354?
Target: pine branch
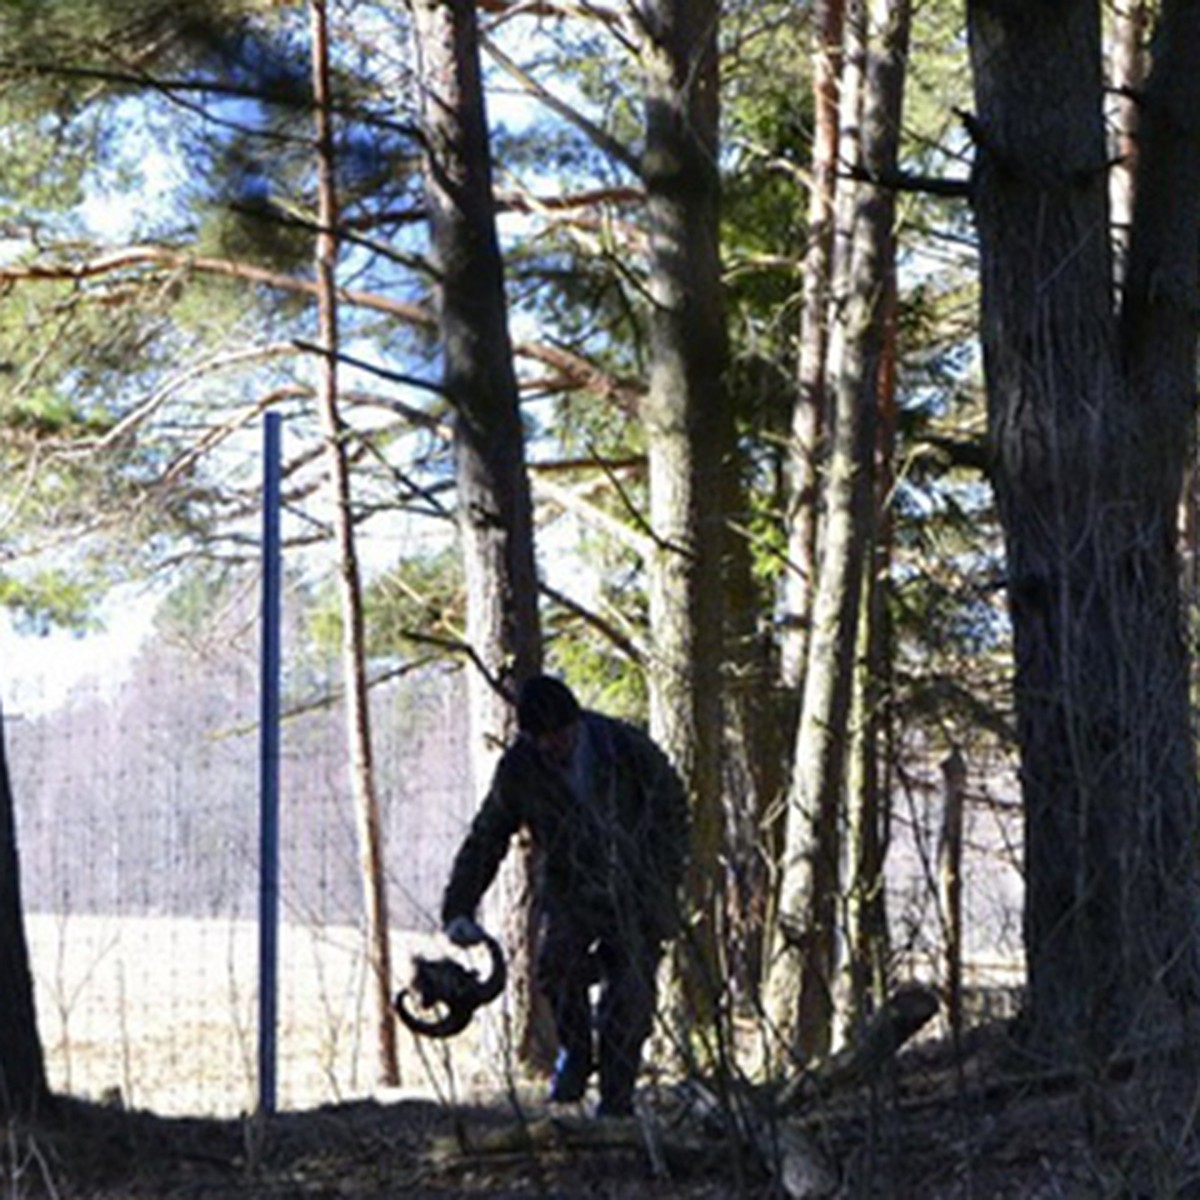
column 578, row 371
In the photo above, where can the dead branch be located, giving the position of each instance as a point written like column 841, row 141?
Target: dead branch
column 574, row 369
column 906, row 1012
column 767, row 1127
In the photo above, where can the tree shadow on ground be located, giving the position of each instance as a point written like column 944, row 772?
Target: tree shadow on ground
column 944, row 1121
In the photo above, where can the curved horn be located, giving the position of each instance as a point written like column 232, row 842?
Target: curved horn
column 455, row 1020
column 491, row 987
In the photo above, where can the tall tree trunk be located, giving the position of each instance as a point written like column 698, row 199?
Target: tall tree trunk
column 950, row 884
column 754, row 772
column 354, row 648
column 23, row 1086
column 852, row 91
column 495, row 515
column 1090, row 415
column 808, row 420
column 868, row 789
column 1130, row 26
column 811, row 884
column 689, row 427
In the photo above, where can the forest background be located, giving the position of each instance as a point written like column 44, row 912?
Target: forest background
column 670, row 380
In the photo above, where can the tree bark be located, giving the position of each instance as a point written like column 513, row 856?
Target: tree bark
column 808, row 419
column 354, row 642
column 950, row 884
column 868, row 784
column 755, row 768
column 689, row 427
column 1130, row 24
column 1090, row 414
column 495, row 515
column 23, row 1086
column 811, row 885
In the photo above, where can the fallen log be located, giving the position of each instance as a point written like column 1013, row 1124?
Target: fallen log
column 904, row 1015
column 762, row 1125
column 560, row 1137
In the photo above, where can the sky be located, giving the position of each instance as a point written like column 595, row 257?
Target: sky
column 38, row 672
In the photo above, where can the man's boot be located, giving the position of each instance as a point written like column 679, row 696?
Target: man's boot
column 617, row 1076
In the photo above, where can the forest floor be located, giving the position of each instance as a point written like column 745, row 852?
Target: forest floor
column 971, row 1120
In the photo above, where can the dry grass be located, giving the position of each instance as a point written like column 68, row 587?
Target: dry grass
column 162, row 1012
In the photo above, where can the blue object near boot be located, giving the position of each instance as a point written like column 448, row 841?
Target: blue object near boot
column 569, row 1082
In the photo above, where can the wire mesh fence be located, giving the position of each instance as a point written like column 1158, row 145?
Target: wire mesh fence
column 137, row 814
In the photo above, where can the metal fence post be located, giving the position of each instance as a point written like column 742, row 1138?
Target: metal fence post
column 269, row 666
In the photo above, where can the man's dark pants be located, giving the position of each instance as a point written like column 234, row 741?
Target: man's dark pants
column 574, row 955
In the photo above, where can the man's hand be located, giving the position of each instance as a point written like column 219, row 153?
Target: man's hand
column 464, row 931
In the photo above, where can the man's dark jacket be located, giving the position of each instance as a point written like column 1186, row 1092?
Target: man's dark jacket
column 611, row 851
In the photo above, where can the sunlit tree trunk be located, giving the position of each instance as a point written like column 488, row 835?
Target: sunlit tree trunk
column 689, row 429
column 808, row 421
column 495, row 517
column 1128, row 59
column 354, row 642
column 23, row 1087
column 852, row 87
column 812, row 877
column 1091, row 415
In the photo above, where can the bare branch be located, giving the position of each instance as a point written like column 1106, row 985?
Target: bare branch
column 569, row 500
column 617, row 150
column 906, row 181
column 154, row 402
column 160, row 256
column 576, row 370
column 592, row 618
column 585, row 375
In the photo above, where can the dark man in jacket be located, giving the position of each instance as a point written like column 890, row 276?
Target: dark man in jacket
column 608, row 816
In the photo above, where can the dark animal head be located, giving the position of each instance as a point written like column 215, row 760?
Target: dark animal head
column 449, row 993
